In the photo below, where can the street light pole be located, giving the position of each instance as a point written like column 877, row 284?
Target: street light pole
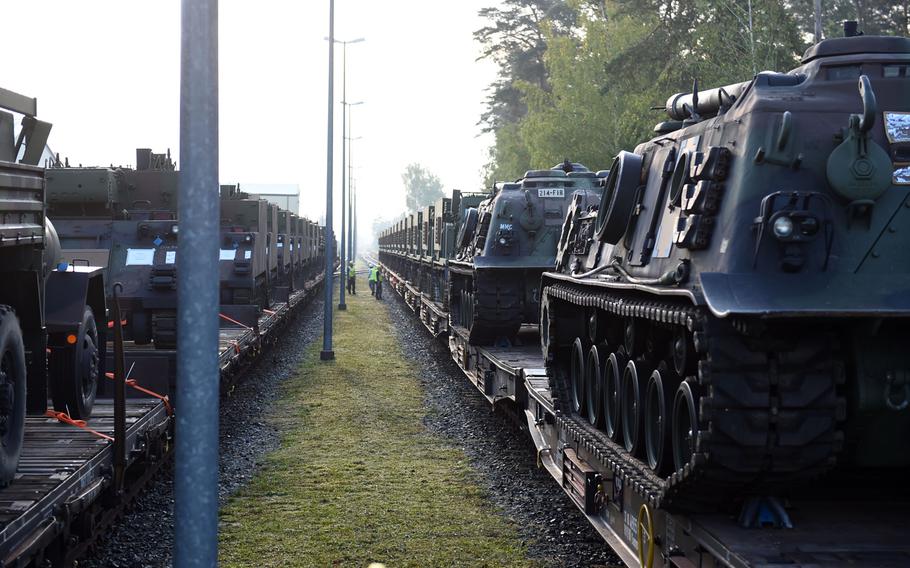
column 196, row 467
column 352, row 250
column 344, row 101
column 344, row 104
column 327, row 353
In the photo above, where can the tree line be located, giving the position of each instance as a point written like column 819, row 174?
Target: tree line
column 578, row 78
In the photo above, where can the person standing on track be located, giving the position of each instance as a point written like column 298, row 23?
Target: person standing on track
column 378, row 293
column 352, row 279
column 374, row 271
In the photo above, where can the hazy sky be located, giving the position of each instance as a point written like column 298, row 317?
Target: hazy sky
column 106, row 74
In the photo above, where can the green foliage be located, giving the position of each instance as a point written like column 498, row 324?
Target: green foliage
column 617, row 59
column 422, row 187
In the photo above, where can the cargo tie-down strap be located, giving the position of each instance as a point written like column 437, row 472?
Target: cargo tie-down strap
column 65, row 418
column 246, row 327
column 135, row 385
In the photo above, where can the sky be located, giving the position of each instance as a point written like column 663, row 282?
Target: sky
column 106, row 75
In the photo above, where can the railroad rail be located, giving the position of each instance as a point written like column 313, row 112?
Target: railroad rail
column 618, row 500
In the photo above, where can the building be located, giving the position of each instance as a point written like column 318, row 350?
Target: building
column 285, row 195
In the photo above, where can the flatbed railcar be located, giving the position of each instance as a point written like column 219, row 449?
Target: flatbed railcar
column 861, row 527
column 244, row 334
column 65, row 492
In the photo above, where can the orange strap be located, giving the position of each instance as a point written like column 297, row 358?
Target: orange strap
column 65, row 418
column 224, row 317
column 135, row 385
column 270, row 312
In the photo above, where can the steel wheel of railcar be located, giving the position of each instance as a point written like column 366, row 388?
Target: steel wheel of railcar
column 612, row 392
column 577, row 376
column 657, row 417
column 632, row 387
column 594, row 385
column 77, row 391
column 12, row 394
column 685, row 425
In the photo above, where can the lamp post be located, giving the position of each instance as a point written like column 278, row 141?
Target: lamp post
column 327, row 353
column 196, row 468
column 344, row 103
column 352, row 248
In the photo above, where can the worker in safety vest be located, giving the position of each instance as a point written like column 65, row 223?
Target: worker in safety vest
column 378, row 293
column 352, row 278
column 374, row 271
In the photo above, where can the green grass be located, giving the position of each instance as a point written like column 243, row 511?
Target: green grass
column 357, row 478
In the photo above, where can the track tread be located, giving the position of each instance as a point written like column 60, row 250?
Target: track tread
column 767, row 418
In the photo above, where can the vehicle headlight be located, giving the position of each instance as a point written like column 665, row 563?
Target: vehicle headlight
column 783, row 227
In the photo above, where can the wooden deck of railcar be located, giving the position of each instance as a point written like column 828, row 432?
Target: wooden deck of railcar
column 65, row 488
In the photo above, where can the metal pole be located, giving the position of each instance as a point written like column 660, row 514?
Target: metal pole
column 354, row 193
column 818, row 20
column 344, row 101
column 327, row 353
column 196, row 469
column 352, row 252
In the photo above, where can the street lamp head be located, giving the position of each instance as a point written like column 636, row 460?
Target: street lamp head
column 358, row 40
column 355, row 104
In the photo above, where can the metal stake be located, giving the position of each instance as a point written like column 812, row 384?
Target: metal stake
column 327, row 353
column 196, row 469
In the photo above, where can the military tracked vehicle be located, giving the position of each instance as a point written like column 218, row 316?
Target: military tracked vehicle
column 49, row 336
column 732, row 318
column 125, row 220
column 284, row 249
column 505, row 243
column 245, row 274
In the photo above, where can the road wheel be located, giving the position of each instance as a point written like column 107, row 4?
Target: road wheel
column 612, row 392
column 12, row 394
column 594, row 384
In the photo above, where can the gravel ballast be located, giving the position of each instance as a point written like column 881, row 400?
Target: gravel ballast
column 555, row 531
column 144, row 537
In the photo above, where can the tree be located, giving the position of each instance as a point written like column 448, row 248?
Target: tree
column 514, row 38
column 875, row 17
column 421, row 187
column 620, row 58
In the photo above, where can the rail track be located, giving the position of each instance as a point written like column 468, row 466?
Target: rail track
column 70, row 486
column 622, row 500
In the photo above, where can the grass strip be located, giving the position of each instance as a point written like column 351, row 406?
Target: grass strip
column 357, row 478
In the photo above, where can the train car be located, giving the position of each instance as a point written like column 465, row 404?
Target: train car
column 718, row 376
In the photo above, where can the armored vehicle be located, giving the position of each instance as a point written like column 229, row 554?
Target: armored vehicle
column 245, row 274
column 284, row 248
column 733, row 317
column 125, row 219
column 505, row 243
column 294, row 248
column 271, row 240
column 48, row 333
